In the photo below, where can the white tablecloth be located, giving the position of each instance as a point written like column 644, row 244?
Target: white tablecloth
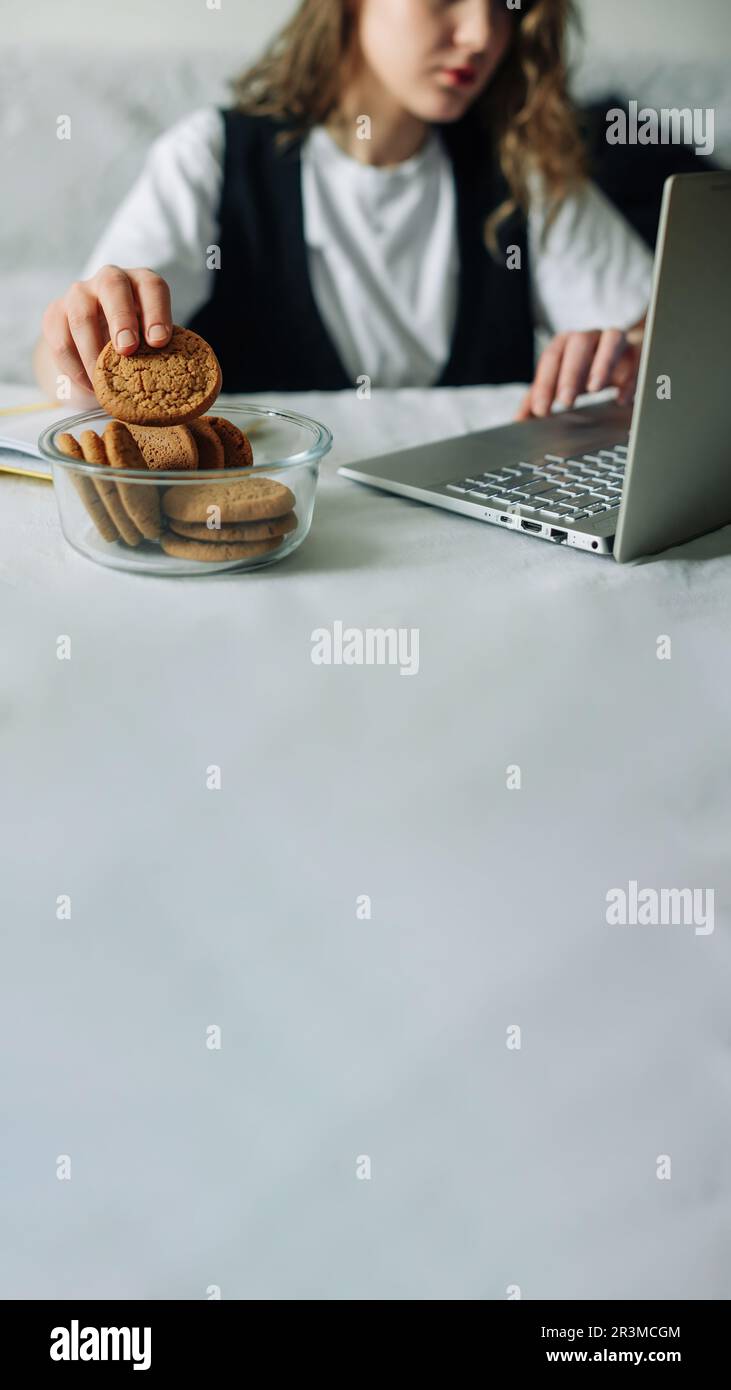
column 344, row 1038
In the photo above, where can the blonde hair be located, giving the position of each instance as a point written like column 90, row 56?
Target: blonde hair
column 525, row 110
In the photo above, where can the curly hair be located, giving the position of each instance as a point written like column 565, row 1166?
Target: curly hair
column 525, row 111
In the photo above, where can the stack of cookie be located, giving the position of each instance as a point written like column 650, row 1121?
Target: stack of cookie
column 157, row 398
column 232, row 521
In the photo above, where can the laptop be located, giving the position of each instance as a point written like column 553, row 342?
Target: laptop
column 610, row 479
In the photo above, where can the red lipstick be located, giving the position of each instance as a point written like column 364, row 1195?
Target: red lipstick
column 460, row 77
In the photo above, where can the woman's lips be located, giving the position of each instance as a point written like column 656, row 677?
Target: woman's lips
column 459, row 77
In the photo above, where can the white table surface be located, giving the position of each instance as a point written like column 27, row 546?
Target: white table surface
column 341, row 1037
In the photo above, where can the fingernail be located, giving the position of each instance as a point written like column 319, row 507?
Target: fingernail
column 593, row 383
column 125, row 339
column 157, row 333
column 567, row 398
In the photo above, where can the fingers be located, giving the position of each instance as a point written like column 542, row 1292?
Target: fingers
column 155, row 309
column 116, row 298
column 612, row 344
column 114, row 304
column 543, row 389
column 577, row 359
column 524, row 411
column 57, row 333
column 624, row 376
column 577, row 362
column 84, row 328
column 133, row 301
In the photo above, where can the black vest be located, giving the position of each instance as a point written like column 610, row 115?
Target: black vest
column 262, row 319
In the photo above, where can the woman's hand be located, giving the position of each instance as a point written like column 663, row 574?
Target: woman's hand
column 123, row 305
column 577, row 362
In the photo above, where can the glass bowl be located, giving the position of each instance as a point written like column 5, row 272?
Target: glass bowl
column 287, row 448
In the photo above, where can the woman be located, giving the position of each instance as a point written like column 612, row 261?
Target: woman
column 398, row 195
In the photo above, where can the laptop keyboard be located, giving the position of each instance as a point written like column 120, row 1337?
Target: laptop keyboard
column 571, row 489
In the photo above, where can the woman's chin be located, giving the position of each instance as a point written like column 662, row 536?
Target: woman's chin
column 444, row 104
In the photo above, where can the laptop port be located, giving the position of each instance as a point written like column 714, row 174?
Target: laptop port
column 558, row 535
column 531, row 526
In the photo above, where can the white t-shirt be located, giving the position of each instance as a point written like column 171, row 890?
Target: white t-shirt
column 382, row 248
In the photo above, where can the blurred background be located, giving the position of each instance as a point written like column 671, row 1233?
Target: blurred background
column 661, row 28
column 125, row 73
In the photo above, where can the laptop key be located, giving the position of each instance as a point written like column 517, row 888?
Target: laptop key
column 535, row 489
column 507, row 478
column 586, row 499
column 516, row 485
column 563, row 480
column 454, row 487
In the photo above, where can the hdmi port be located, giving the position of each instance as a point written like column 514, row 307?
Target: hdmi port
column 531, row 526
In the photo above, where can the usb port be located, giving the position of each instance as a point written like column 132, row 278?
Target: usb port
column 531, row 526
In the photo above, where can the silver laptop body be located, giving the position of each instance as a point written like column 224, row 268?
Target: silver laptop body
column 605, row 478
